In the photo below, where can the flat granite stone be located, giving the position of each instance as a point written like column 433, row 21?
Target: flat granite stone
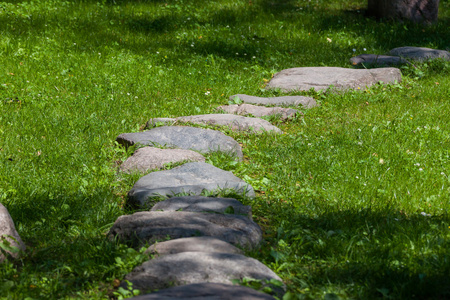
column 149, row 158
column 184, row 137
column 206, row 291
column 306, row 102
column 9, row 235
column 377, row 60
column 152, row 226
column 234, row 122
column 199, row 267
column 193, row 244
column 420, row 53
column 322, row 78
column 204, row 204
column 259, row 111
column 191, row 179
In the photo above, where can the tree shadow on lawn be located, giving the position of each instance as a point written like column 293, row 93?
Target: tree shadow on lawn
column 384, row 253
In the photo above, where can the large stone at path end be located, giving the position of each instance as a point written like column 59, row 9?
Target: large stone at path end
column 420, row 53
column 206, row 291
column 234, row 122
column 322, row 78
column 153, row 226
column 193, row 244
column 197, row 267
column 9, row 235
column 259, row 111
column 306, row 102
column 204, row 204
column 191, row 179
column 184, row 137
column 149, row 158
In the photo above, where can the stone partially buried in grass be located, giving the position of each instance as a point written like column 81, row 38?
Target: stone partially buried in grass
column 306, row 102
column 192, row 179
column 206, row 291
column 193, row 244
column 234, row 122
column 420, row 53
column 11, row 243
column 259, row 111
column 149, row 158
column 152, row 226
column 184, row 137
column 200, row 267
column 204, row 204
column 324, row 78
column 377, row 60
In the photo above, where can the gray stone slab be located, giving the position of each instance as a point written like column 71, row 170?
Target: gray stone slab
column 259, row 111
column 197, row 267
column 206, row 291
column 193, row 244
column 377, row 60
column 9, row 235
column 420, row 53
column 192, row 179
column 323, row 78
column 153, row 226
column 204, row 204
column 306, row 102
column 234, row 122
column 184, row 137
column 150, row 158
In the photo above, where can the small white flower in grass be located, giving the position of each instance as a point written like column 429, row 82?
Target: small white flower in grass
column 360, row 143
column 442, row 173
column 207, row 93
column 357, row 177
column 364, row 49
column 329, row 40
column 420, row 169
column 136, row 97
column 425, row 214
column 354, row 50
column 381, row 161
column 237, row 53
column 417, row 164
column 359, row 129
column 254, row 57
column 309, row 144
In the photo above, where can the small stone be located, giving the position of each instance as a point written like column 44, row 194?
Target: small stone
column 149, row 158
column 420, row 53
column 377, row 60
column 206, row 291
column 306, row 102
column 204, row 204
column 323, row 78
column 192, row 179
column 193, row 244
column 184, row 137
column 259, row 111
column 235, row 123
column 152, row 226
column 9, row 236
column 197, row 267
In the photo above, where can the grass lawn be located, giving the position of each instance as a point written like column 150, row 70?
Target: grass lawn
column 353, row 198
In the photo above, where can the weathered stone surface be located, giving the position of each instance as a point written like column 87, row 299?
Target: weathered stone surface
column 321, row 78
column 419, row 11
column 236, row 123
column 193, row 244
column 206, row 291
column 259, row 111
column 149, row 158
column 197, row 267
column 184, row 137
column 191, row 178
column 152, row 226
column 377, row 60
column 306, row 102
column 420, row 53
column 9, row 235
column 204, row 204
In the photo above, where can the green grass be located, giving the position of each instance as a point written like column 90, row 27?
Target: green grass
column 353, row 199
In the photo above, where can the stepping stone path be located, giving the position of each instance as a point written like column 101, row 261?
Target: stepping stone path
column 207, row 291
column 235, row 123
column 9, row 236
column 202, row 259
column 182, row 137
column 259, row 111
column 149, row 158
column 306, row 102
column 323, row 78
column 191, row 178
